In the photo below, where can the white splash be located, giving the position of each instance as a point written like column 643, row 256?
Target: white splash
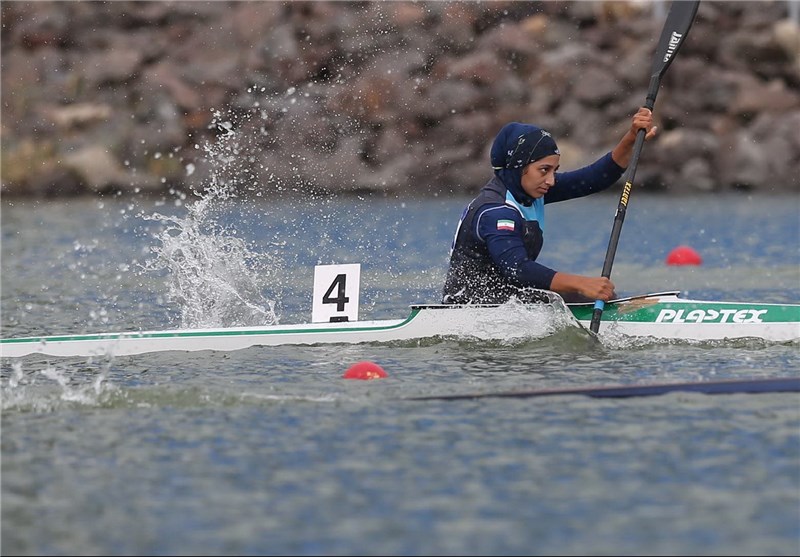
column 214, row 277
column 58, row 388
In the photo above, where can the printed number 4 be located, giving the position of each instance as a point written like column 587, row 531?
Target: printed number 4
column 340, row 300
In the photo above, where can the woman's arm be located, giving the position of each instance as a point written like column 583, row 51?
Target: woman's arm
column 604, row 172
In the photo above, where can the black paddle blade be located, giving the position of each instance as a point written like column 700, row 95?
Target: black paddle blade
column 676, row 27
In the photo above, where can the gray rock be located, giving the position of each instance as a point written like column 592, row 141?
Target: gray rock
column 390, row 96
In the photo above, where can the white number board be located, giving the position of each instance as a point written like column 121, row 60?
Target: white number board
column 336, row 293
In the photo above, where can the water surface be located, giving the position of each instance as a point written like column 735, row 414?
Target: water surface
column 270, row 451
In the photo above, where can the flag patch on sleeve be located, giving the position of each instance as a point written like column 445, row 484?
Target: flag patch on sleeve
column 504, row 224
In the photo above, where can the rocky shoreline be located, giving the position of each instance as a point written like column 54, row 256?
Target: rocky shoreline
column 392, row 97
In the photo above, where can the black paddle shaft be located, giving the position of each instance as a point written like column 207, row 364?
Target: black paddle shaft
column 676, row 27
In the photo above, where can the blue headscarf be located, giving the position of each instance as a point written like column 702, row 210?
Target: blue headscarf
column 516, row 146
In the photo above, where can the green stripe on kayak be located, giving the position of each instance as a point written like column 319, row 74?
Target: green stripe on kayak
column 201, row 333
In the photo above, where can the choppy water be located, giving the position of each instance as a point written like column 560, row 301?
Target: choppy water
column 270, row 451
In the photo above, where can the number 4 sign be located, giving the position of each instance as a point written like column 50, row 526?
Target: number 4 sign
column 336, row 293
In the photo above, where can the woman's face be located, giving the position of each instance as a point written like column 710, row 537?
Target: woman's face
column 540, row 176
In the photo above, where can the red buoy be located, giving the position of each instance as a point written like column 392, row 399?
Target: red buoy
column 684, row 255
column 365, row 371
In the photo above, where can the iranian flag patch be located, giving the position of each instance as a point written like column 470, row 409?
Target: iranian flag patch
column 504, row 224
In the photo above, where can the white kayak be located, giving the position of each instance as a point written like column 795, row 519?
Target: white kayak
column 659, row 316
